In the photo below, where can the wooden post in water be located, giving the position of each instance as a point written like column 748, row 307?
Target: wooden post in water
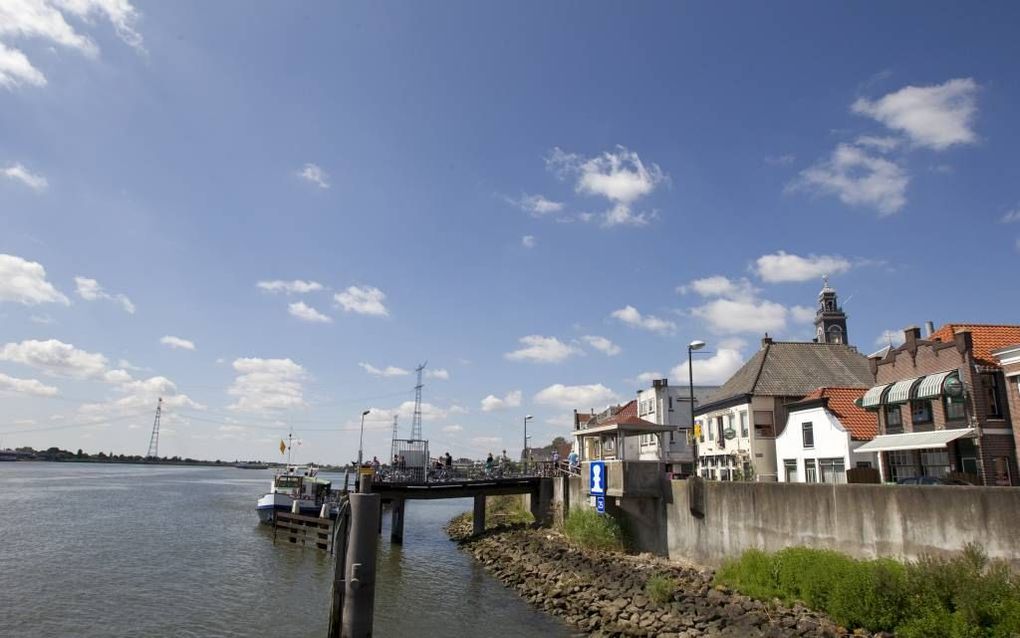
column 478, row 518
column 397, row 521
column 359, row 598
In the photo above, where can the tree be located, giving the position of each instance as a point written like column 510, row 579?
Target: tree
column 80, row 454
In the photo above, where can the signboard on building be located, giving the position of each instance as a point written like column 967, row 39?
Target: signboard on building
column 597, row 478
column 600, row 504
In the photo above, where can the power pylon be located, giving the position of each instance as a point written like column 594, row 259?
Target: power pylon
column 416, row 419
column 396, row 435
column 154, row 439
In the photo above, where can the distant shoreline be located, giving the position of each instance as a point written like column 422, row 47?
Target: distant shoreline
column 182, row 462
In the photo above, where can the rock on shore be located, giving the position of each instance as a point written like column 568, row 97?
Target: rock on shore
column 603, row 594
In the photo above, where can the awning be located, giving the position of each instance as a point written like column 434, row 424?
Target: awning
column 913, row 440
column 900, row 391
column 873, row 397
column 931, row 386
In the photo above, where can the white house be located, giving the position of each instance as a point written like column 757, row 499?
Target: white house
column 664, row 404
column 822, row 432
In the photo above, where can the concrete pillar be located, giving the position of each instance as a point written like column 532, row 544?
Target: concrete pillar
column 478, row 518
column 359, row 597
column 397, row 521
column 541, row 500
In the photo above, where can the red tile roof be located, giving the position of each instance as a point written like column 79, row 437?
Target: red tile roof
column 860, row 423
column 986, row 338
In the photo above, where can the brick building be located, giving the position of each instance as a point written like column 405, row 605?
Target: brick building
column 942, row 408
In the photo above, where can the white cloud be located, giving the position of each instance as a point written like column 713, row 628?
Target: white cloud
column 117, row 376
column 56, row 358
column 632, row 317
column 267, row 384
column 720, row 286
column 935, row 117
column 730, row 316
column 493, row 403
column 858, row 179
column 177, row 342
column 1011, row 216
column 536, row 205
column 405, row 410
column 313, row 174
column 542, row 350
column 33, row 387
column 90, row 290
column 364, row 300
column 581, row 397
column 141, row 396
column 880, row 144
column 645, row 378
column 602, row 344
column 17, row 171
column 890, row 337
column 452, row 429
column 619, row 176
column 296, row 286
column 24, row 282
column 802, row 314
column 438, row 373
column 388, row 371
column 487, row 441
column 304, row 312
column 45, row 20
column 783, row 267
column 713, row 370
column 528, row 241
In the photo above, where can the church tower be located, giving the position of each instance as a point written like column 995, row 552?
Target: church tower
column 830, row 320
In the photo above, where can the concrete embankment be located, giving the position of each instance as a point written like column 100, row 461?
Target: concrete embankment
column 603, row 594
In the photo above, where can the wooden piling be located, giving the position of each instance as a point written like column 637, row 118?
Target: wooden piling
column 478, row 517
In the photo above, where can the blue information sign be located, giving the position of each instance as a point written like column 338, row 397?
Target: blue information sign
column 597, row 478
column 600, row 504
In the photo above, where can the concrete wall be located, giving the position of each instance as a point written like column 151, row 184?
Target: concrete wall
column 864, row 521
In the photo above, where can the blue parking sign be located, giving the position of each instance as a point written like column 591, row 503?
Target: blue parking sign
column 600, row 504
column 597, row 478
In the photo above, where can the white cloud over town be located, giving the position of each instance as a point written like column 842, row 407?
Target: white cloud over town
column 295, row 286
column 388, row 371
column 602, row 344
column 313, row 174
column 580, row 397
column 633, row 317
column 711, row 370
column 177, row 343
column 24, row 282
column 935, row 117
column 90, row 290
column 540, row 349
column 32, row 387
column 857, row 178
column 511, row 399
column 785, row 267
column 536, row 205
column 17, row 171
column 363, row 300
column 267, row 384
column 55, row 358
column 304, row 312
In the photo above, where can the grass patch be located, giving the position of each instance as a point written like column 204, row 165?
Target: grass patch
column 660, row 588
column 966, row 596
column 592, row 530
column 506, row 510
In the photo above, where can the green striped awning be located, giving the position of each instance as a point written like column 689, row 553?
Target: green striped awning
column 931, row 385
column 873, row 397
column 900, row 392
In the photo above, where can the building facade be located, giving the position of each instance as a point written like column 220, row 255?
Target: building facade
column 942, row 406
column 822, row 433
column 664, row 404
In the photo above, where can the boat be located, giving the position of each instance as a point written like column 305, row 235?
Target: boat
column 300, row 485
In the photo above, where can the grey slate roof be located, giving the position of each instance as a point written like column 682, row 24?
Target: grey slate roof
column 786, row 368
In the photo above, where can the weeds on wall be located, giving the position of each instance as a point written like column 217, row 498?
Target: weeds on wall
column 591, row 530
column 966, row 596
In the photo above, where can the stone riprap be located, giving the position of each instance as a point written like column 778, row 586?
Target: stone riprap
column 603, row 594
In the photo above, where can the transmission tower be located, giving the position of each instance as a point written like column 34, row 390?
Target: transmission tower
column 416, row 419
column 396, row 435
column 154, row 439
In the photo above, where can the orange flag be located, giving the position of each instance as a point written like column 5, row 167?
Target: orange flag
column 283, row 446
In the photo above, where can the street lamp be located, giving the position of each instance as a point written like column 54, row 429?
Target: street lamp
column 361, row 438
column 691, row 347
column 524, row 452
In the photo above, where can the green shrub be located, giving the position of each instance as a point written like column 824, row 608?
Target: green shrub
column 506, row 510
column 660, row 588
column 869, row 594
column 592, row 530
column 753, row 573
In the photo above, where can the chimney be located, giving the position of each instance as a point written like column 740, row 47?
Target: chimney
column 766, row 340
column 964, row 340
column 911, row 335
column 929, row 329
column 657, row 383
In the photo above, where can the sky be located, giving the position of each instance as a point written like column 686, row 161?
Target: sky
column 269, row 215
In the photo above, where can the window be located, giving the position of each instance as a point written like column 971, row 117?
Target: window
column 724, row 474
column 810, row 474
column 920, row 412
column 719, row 425
column 671, row 403
column 763, row 423
column 711, row 430
column 790, row 470
column 743, row 424
column 1000, row 465
column 992, row 395
column 832, row 470
column 808, row 432
column 893, row 419
column 935, row 462
column 954, row 407
column 902, row 465
column 835, row 334
column 864, row 464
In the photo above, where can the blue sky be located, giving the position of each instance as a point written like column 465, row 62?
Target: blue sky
column 546, row 201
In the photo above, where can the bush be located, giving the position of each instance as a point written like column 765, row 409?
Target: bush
column 592, row 530
column 660, row 588
column 506, row 510
column 963, row 597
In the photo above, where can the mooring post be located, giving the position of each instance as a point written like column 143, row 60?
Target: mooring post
column 478, row 518
column 359, row 598
column 397, row 521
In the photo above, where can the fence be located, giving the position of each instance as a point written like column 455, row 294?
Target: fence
column 303, row 530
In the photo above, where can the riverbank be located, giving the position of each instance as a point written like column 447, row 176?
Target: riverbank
column 604, row 593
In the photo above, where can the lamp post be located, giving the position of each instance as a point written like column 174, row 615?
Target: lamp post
column 691, row 347
column 361, row 438
column 524, row 452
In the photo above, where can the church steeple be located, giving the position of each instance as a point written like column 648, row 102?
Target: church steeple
column 830, row 320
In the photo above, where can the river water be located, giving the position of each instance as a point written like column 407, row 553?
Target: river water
column 130, row 550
